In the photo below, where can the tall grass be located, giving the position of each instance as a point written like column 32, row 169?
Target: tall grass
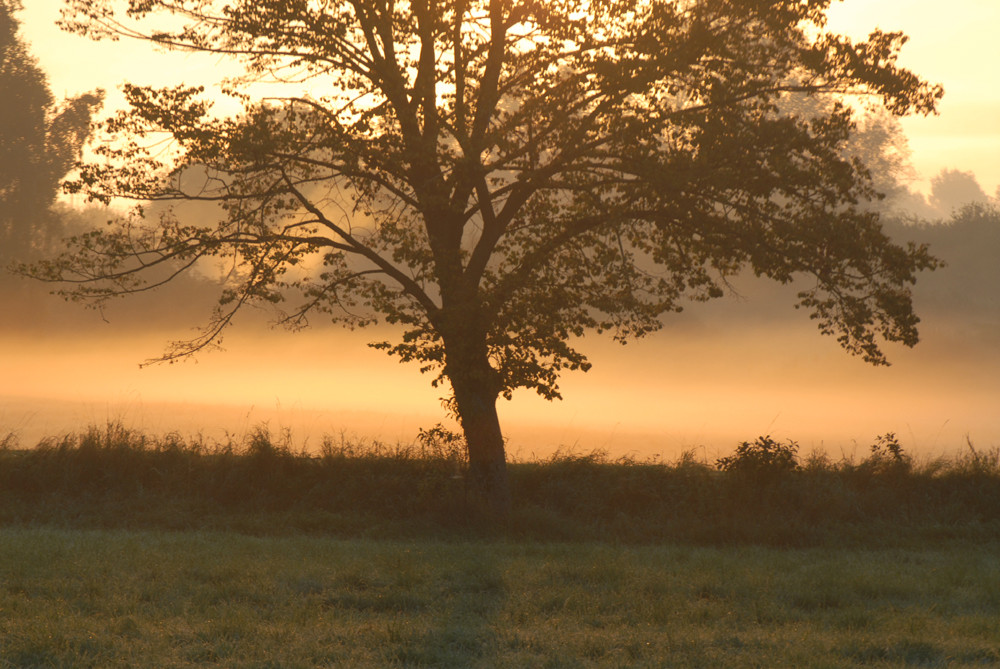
column 764, row 493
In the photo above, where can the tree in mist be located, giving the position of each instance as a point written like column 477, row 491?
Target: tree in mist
column 40, row 141
column 883, row 148
column 962, row 294
column 952, row 189
column 877, row 143
column 500, row 177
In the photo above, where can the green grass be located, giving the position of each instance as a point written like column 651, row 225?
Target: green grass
column 100, row 598
column 118, row 549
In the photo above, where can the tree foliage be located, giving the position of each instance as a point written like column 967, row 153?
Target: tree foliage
column 961, row 295
column 953, row 189
column 877, row 142
column 500, row 177
column 40, row 141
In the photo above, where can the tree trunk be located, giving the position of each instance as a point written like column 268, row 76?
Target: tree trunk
column 487, row 457
column 473, row 381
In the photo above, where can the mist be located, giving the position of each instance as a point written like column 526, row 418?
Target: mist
column 718, row 373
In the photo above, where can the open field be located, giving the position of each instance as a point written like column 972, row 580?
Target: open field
column 118, row 549
column 99, row 598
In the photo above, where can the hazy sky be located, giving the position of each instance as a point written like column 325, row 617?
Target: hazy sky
column 673, row 392
column 953, row 43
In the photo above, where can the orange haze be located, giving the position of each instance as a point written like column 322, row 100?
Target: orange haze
column 697, row 385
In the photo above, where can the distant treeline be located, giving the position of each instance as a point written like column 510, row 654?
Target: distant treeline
column 962, row 291
column 969, row 243
column 28, row 305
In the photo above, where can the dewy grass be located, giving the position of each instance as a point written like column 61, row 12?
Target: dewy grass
column 98, row 598
column 119, row 549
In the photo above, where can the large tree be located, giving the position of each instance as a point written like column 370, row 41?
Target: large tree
column 500, row 177
column 40, row 140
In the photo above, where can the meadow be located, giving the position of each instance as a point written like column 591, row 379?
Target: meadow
column 120, row 549
column 117, row 598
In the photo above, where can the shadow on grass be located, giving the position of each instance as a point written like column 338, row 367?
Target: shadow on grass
column 466, row 632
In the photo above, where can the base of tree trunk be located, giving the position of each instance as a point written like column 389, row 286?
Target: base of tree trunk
column 490, row 489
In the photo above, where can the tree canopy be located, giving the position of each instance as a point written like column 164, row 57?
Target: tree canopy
column 953, row 189
column 500, row 177
column 39, row 144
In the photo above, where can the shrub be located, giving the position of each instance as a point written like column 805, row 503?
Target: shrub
column 441, row 443
column 887, row 455
column 763, row 456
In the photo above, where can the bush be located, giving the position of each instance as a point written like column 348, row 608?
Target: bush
column 763, row 456
column 887, row 455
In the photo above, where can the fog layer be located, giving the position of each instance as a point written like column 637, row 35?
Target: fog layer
column 718, row 374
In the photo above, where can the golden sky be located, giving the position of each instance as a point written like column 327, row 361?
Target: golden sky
column 674, row 390
column 954, row 43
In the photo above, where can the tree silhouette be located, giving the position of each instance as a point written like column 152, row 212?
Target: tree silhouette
column 952, row 189
column 39, row 143
column 500, row 177
column 877, row 142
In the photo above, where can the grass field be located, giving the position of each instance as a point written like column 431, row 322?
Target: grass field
column 122, row 550
column 97, row 598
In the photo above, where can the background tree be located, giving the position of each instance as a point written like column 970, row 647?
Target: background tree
column 40, row 141
column 877, row 142
column 962, row 294
column 882, row 147
column 952, row 189
column 500, row 177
